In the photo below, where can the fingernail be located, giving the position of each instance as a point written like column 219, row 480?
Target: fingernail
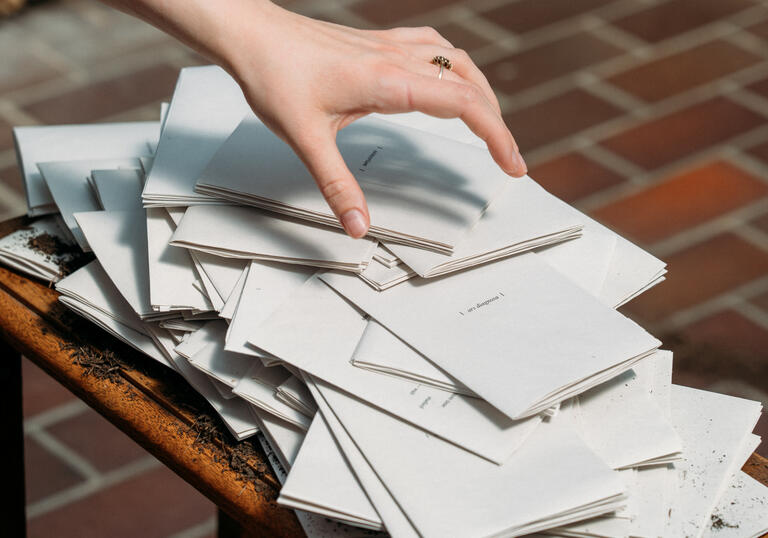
column 520, row 167
column 354, row 223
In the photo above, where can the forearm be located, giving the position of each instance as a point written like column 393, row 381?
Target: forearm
column 213, row 29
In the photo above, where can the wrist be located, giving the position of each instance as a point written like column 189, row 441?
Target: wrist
column 244, row 31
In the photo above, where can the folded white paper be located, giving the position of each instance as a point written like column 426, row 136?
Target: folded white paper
column 248, row 233
column 172, row 274
column 206, row 107
column 68, row 182
column 28, row 249
column 524, row 216
column 47, row 143
column 535, row 338
column 316, row 331
column 421, row 189
column 322, row 481
column 118, row 190
column 553, row 477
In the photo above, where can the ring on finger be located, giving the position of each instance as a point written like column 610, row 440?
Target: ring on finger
column 443, row 62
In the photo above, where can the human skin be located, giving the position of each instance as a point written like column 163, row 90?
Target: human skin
column 307, row 79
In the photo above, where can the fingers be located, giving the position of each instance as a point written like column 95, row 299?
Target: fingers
column 429, row 69
column 462, row 65
column 405, row 92
column 338, row 186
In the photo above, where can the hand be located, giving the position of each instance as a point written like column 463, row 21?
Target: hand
column 307, row 79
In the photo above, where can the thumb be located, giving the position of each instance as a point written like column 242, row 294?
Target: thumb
column 336, row 183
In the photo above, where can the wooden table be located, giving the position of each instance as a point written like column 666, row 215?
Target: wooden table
column 147, row 401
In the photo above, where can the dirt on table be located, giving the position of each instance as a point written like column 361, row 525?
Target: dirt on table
column 66, row 256
column 718, row 523
column 100, row 364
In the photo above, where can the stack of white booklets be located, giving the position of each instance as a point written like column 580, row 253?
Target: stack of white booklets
column 462, row 371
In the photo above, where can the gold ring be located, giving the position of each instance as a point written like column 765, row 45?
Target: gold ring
column 444, row 63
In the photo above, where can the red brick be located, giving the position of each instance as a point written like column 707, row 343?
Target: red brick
column 114, row 449
column 558, row 117
column 545, row 62
column 45, row 473
column 527, row 15
column 668, row 19
column 573, row 176
column 761, row 301
column 6, row 135
column 663, row 140
column 682, row 201
column 106, row 98
column 11, row 177
column 462, row 38
column 760, row 151
column 152, row 505
column 760, row 29
column 387, row 13
column 731, row 334
column 760, row 87
column 721, row 347
column 664, row 77
column 699, row 273
column 41, row 392
column 21, row 70
column 761, row 223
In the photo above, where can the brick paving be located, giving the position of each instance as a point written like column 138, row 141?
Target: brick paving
column 648, row 114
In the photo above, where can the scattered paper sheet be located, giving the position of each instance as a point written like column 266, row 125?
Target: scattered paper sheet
column 48, row 143
column 518, row 307
column 227, row 231
column 420, row 189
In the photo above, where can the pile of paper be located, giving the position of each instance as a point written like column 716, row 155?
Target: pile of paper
column 462, row 371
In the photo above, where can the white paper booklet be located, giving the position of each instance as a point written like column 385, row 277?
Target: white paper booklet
column 89, row 292
column 222, row 273
column 117, row 190
column 91, row 285
column 295, row 393
column 315, row 526
column 321, row 481
column 234, row 412
column 119, row 240
column 713, row 428
column 317, row 331
column 46, row 143
column 248, row 233
column 605, row 264
column 381, row 351
column 206, row 107
column 393, row 518
column 523, row 217
column 33, row 249
column 258, row 386
column 223, row 366
column 68, row 182
column 554, row 478
column 534, row 336
column 284, row 437
column 624, row 426
column 421, row 189
column 172, row 274
column 267, row 286
column 742, row 511
column 380, row 277
column 385, row 257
